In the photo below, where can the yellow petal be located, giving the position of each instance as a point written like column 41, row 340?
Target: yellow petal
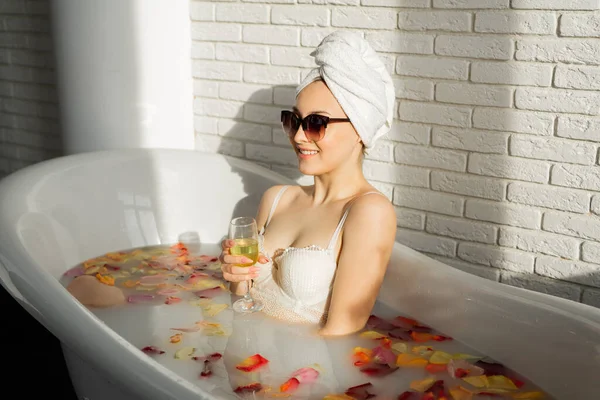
column 422, row 385
column 440, row 357
column 200, row 302
column 400, row 347
column 148, row 288
column 460, row 393
column 528, row 395
column 424, row 351
column 338, row 397
column 92, row 270
column 211, row 310
column 501, row 382
column 410, row 360
column 207, row 284
column 185, row 353
column 372, row 335
column 477, row 381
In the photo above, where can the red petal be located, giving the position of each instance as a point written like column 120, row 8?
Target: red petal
column 360, row 392
column 374, row 322
column 401, row 321
column 206, row 371
column 383, row 355
column 441, row 338
column 378, row 370
column 408, row 395
column 435, row 368
column 252, row 363
column 172, row 300
column 253, row 387
column 290, row 385
column 209, row 293
column 401, row 334
column 152, row 350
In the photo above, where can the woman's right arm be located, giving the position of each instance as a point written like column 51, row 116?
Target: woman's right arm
column 237, row 275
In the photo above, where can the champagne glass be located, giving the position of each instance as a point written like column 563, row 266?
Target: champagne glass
column 243, row 232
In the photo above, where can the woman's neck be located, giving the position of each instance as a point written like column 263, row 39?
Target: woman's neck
column 341, row 183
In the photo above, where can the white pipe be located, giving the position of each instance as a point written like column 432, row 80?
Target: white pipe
column 124, row 74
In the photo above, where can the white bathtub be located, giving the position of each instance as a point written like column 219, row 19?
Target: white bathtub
column 55, row 214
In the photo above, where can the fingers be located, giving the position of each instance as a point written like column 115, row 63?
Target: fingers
column 229, row 259
column 262, row 259
column 238, row 274
column 227, row 243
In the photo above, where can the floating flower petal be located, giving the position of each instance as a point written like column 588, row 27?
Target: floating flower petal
column 252, row 363
column 106, row 279
column 435, row 368
column 210, row 310
column 410, row 360
column 462, row 369
column 375, row 322
column 460, row 393
column 382, row 355
column 361, row 356
column 290, row 385
column 176, row 338
column 306, row 375
column 152, row 350
column 206, row 370
column 409, row 395
column 210, row 293
column 528, row 395
column 152, row 279
column 372, row 335
column 360, row 392
column 400, row 347
column 377, row 370
column 185, row 353
column 172, row 300
column 423, row 351
column 440, row 357
column 401, row 334
column 422, row 385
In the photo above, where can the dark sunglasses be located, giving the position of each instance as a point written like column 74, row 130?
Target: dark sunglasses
column 313, row 125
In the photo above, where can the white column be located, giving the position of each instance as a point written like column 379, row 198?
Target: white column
column 124, row 73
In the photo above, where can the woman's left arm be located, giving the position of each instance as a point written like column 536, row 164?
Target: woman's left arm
column 367, row 243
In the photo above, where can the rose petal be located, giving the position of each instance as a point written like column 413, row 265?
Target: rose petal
column 400, row 347
column 360, row 392
column 176, row 338
column 422, row 385
column 211, row 310
column 501, row 382
column 106, row 279
column 74, row 272
column 409, row 395
column 206, row 370
column 460, row 393
column 400, row 334
column 435, row 368
column 461, row 369
column 172, row 300
column 423, row 351
column 440, row 357
column 421, row 337
column 404, row 322
column 252, row 363
column 371, row 335
column 152, row 350
column 528, row 395
column 185, row 353
column 167, row 291
column 152, row 279
column 290, row 385
column 410, row 360
column 210, row 293
column 374, row 322
column 253, row 387
column 382, row 355
column 306, row 375
column 377, row 370
column 140, row 298
column 338, row 397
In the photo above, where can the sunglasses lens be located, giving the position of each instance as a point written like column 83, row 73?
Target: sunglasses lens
column 315, row 127
column 289, row 123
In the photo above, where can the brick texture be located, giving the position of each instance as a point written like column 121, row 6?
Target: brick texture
column 29, row 117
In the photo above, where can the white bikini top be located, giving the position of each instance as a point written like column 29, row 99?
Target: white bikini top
column 295, row 285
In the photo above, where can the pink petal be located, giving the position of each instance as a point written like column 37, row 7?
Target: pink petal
column 306, row 375
column 195, row 277
column 209, row 293
column 454, row 365
column 382, row 355
column 376, row 323
column 72, row 273
column 401, row 334
column 140, row 298
column 167, row 292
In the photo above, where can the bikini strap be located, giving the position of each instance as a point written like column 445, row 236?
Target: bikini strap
column 274, row 206
column 338, row 229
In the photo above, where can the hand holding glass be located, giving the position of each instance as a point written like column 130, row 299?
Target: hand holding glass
column 244, row 233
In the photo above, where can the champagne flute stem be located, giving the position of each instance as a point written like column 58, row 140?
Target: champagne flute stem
column 247, row 297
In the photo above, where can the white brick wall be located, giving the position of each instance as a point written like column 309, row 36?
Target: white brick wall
column 29, row 128
column 493, row 163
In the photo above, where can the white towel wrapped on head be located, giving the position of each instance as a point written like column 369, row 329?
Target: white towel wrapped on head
column 358, row 80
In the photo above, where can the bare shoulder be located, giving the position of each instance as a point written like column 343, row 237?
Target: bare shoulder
column 373, row 213
column 266, row 202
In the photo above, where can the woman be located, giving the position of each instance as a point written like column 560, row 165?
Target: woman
column 325, row 247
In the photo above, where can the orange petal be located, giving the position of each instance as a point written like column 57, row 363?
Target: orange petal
column 410, row 360
column 421, row 336
column 290, row 385
column 528, row 395
column 172, row 300
column 252, row 363
column 176, row 338
column 106, row 279
column 460, row 393
column 435, row 368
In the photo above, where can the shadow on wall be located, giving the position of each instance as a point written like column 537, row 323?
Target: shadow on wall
column 254, row 142
column 29, row 122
